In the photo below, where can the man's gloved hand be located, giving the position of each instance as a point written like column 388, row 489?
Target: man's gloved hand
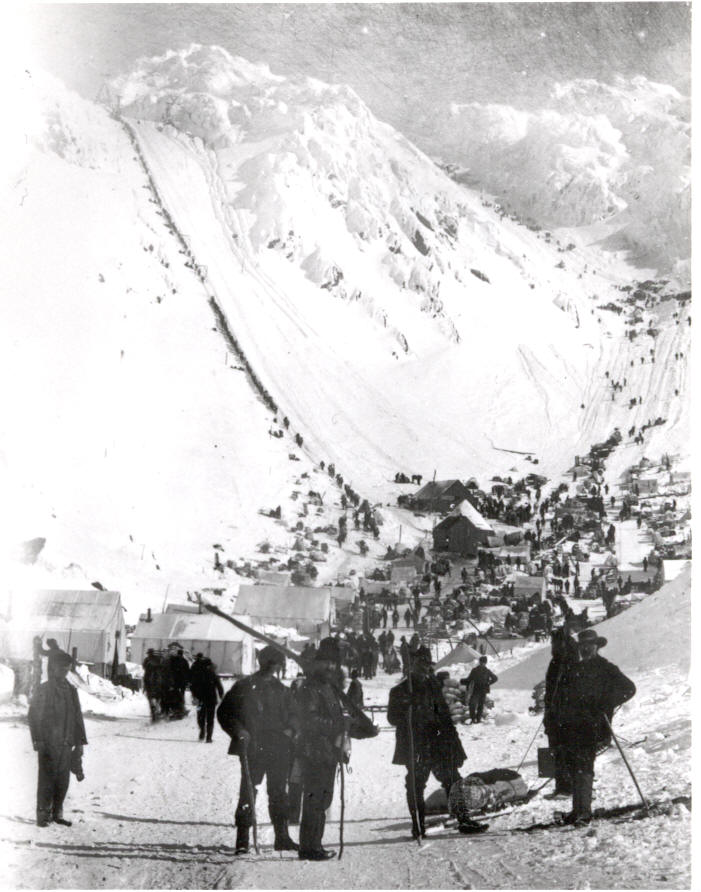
column 244, row 738
column 77, row 762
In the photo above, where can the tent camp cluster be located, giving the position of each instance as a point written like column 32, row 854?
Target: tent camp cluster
column 538, row 555
column 510, row 559
column 88, row 624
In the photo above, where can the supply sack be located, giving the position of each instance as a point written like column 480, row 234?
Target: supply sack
column 486, row 791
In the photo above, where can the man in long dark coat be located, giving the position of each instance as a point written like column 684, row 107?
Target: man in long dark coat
column 207, row 689
column 593, row 690
column 478, row 683
column 58, row 736
column 433, row 738
column 565, row 655
column 355, row 689
column 177, row 672
column 321, row 746
column 154, row 683
column 259, row 715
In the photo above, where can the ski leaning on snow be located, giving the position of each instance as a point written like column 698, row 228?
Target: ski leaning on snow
column 619, row 815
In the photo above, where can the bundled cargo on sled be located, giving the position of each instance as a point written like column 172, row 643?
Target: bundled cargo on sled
column 486, row 791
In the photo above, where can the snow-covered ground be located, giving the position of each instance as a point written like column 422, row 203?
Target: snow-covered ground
column 156, row 807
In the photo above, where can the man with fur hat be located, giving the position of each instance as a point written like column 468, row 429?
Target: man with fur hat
column 260, row 716
column 431, row 735
column 592, row 690
column 58, row 736
column 321, row 746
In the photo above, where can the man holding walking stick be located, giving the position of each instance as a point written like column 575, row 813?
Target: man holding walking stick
column 260, row 716
column 321, row 746
column 426, row 737
column 592, row 689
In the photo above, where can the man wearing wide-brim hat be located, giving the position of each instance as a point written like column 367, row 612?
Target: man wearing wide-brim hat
column 431, row 735
column 593, row 689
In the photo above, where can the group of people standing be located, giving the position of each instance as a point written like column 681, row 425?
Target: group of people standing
column 296, row 740
column 297, row 737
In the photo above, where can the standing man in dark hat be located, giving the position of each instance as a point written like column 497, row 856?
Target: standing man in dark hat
column 259, row 715
column 58, row 736
column 478, row 682
column 321, row 746
column 594, row 688
column 565, row 656
column 431, row 735
column 355, row 689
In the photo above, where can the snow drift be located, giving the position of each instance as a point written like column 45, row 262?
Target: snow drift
column 650, row 636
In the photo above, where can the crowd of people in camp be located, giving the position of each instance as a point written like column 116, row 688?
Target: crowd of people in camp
column 297, row 735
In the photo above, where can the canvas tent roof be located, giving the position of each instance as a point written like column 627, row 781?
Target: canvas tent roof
column 85, row 619
column 462, row 653
column 495, row 613
column 90, row 609
column 465, row 509
column 189, row 627
column 435, row 489
column 231, row 649
column 292, row 602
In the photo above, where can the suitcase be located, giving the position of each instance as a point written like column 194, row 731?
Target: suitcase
column 546, row 762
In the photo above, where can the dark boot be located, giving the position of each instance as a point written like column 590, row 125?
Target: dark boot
column 242, row 841
column 283, row 842
column 418, row 814
column 311, row 831
column 581, row 798
column 316, row 855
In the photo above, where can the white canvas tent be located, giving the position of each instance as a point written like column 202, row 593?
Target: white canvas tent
column 461, row 653
column 495, row 615
column 310, row 611
column 230, row 649
column 92, row 621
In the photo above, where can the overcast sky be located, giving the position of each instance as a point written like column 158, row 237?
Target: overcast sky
column 407, row 61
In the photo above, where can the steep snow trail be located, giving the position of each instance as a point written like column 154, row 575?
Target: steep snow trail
column 343, row 410
column 308, row 383
column 368, row 416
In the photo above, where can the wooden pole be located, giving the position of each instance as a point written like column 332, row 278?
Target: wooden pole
column 412, row 762
column 627, row 764
column 251, row 798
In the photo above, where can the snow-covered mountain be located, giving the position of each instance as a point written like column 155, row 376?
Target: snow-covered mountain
column 617, row 152
column 218, row 248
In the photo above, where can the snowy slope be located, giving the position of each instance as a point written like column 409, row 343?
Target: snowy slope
column 395, row 318
column 339, row 201
column 131, row 438
column 633, row 638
